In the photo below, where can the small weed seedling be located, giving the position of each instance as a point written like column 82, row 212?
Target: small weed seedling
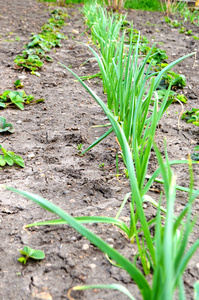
column 195, row 155
column 101, row 166
column 79, row 148
column 173, row 23
column 18, row 84
column 30, row 253
column 17, row 98
column 5, row 127
column 192, row 116
column 10, row 158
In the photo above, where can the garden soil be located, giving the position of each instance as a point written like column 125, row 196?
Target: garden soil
column 47, row 136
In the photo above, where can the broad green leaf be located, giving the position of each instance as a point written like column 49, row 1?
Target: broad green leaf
column 37, row 254
column 18, row 160
column 2, row 161
column 8, row 160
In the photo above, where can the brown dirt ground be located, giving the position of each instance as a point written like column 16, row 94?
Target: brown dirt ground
column 46, row 136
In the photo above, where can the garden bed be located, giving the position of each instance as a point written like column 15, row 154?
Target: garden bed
column 47, row 136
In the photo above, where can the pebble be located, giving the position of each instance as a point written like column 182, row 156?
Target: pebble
column 92, row 266
column 31, row 155
column 22, row 77
column 85, row 247
column 19, row 122
column 72, row 201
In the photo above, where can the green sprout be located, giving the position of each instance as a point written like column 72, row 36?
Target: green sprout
column 191, row 116
column 30, row 253
column 10, row 158
column 79, row 148
column 195, row 155
column 17, row 98
column 101, row 166
column 18, row 84
column 5, row 126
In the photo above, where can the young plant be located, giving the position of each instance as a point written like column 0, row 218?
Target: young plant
column 125, row 81
column 30, row 253
column 79, row 148
column 191, row 116
column 130, row 92
column 195, row 155
column 30, row 62
column 5, row 127
column 10, row 158
column 17, row 98
column 18, row 84
column 34, row 54
column 173, row 23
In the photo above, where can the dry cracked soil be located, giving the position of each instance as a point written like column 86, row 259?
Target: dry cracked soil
column 47, row 135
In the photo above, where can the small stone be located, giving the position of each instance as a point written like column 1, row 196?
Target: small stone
column 109, row 208
column 72, row 201
column 22, row 77
column 92, row 266
column 193, row 142
column 31, row 155
column 19, row 122
column 109, row 240
column 85, row 247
